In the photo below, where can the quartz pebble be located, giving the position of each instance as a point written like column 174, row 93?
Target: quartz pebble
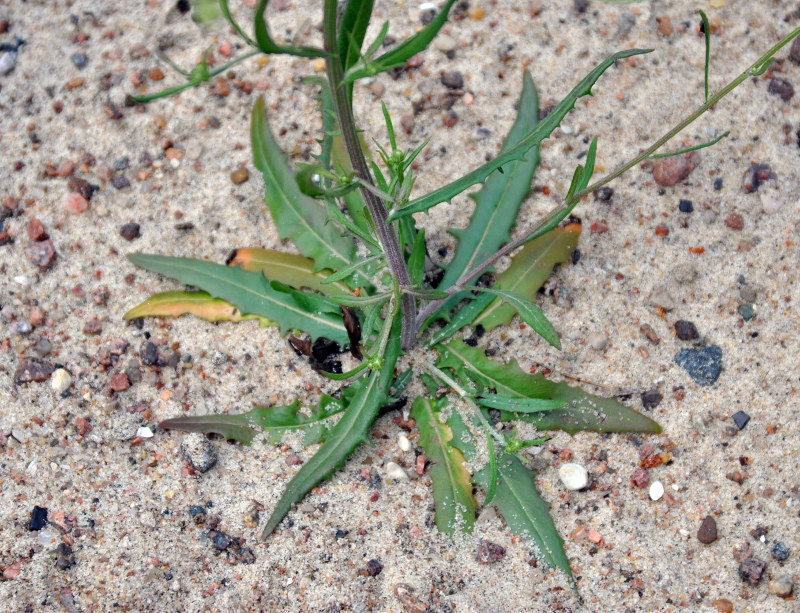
column 573, row 476
column 396, row 472
column 403, row 443
column 771, row 201
column 199, row 452
column 781, row 586
column 144, row 432
column 60, row 381
column 656, row 490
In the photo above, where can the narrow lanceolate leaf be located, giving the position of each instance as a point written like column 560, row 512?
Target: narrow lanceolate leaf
column 529, row 269
column 529, row 313
column 352, row 29
column 266, row 44
column 542, row 130
column 298, row 217
column 289, row 268
column 452, row 486
column 274, row 421
column 579, row 411
column 252, row 293
column 525, row 512
column 348, row 433
column 498, row 201
column 199, row 304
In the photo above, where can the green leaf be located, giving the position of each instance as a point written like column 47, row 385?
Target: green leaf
column 298, row 217
column 266, row 44
column 274, row 421
column 528, row 312
column 288, row 268
column 498, row 201
column 253, row 293
column 349, row 432
column 352, row 29
column 463, row 317
column 199, row 304
column 542, row 130
column 452, row 487
column 525, row 512
column 400, row 54
column 529, row 269
column 580, row 410
column 518, row 405
column 416, row 261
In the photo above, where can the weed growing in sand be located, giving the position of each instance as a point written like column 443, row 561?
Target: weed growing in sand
column 364, row 282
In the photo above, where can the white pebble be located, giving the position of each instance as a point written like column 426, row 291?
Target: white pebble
column 60, row 381
column 47, row 538
column 144, row 432
column 445, row 43
column 403, row 443
column 394, row 471
column 771, row 201
column 573, row 476
column 656, row 490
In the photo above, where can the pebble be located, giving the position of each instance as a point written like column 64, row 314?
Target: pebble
column 119, row 382
column 75, row 203
column 120, row 182
column 453, row 80
column 79, row 59
column 703, row 365
column 747, row 293
column 149, row 353
column 403, row 442
column 41, row 253
column 198, row 451
column 794, row 52
column 377, row 88
column 781, row 88
column 723, row 605
column 707, row 533
column 685, row 330
column 685, row 206
column 780, row 552
column 640, row 477
column 781, row 586
column 144, row 432
column 735, row 221
column 662, row 298
column 60, row 381
column 396, row 472
column 240, row 175
column 489, row 552
column 38, row 518
column 772, row 201
column 130, row 231
column 8, row 56
column 755, row 176
column 32, row 369
column 751, row 570
column 573, row 476
column 64, row 557
column 445, row 43
column 36, row 231
column 747, row 311
column 651, row 399
column 597, row 341
column 604, row 194
column 740, row 418
column 656, row 490
column 672, row 170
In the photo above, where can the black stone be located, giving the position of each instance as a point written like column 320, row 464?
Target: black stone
column 603, row 194
column 703, row 365
column 149, row 354
column 780, row 551
column 130, row 231
column 651, row 399
column 453, row 80
column 740, row 418
column 685, row 206
column 64, row 557
column 685, row 330
column 38, row 518
column 221, row 540
column 717, row 184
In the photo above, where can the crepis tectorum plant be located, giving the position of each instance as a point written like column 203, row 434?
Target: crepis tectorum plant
column 363, row 281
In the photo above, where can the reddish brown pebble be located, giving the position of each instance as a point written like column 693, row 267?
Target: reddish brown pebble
column 672, row 170
column 650, row 334
column 36, row 230
column 5, row 238
column 221, row 88
column 239, row 176
column 664, row 26
column 450, row 119
column 734, row 221
column 82, row 186
column 707, row 533
column 407, row 121
column 794, row 52
column 74, row 83
column 33, row 369
column 82, row 426
column 781, row 88
column 489, row 553
column 66, row 169
column 420, row 464
column 12, row 571
column 36, row 317
column 75, row 203
column 93, row 327
column 293, row 460
column 119, row 382
column 156, row 75
column 598, row 227
column 736, row 476
column 640, row 478
column 40, row 253
column 173, row 153
column 101, row 294
column 130, row 231
column 723, row 605
column 10, row 203
column 662, row 230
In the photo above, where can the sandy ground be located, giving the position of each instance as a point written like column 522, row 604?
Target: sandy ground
column 122, row 503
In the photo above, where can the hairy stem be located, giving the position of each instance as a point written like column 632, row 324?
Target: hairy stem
column 386, row 233
column 549, row 221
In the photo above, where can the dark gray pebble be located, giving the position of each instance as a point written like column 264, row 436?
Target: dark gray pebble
column 756, row 175
column 453, row 80
column 120, row 181
column 64, row 557
column 751, row 570
column 38, row 518
column 149, row 353
column 79, row 59
column 685, row 206
column 703, row 365
column 740, row 418
column 747, row 311
column 780, row 551
column 489, row 552
column 603, row 194
column 685, row 330
column 781, row 88
column 651, row 399
column 374, row 568
column 130, row 231
column 32, row 369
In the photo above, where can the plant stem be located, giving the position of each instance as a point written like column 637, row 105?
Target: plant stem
column 386, row 232
column 549, row 221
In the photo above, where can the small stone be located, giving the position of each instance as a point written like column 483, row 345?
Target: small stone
column 445, row 43
column 703, row 365
column 60, row 381
column 403, row 442
column 747, row 293
column 119, row 382
column 120, row 182
column 489, row 553
column 93, row 327
column 664, row 26
column 79, row 59
column 573, row 476
column 707, row 533
column 734, row 221
column 450, row 119
column 197, row 513
column 781, row 586
column 781, row 88
column 723, row 605
column 374, row 568
column 41, row 253
column 377, row 88
column 240, row 175
column 755, row 176
column 199, row 452
column 794, row 51
column 144, row 432
column 82, row 426
column 453, row 80
column 148, row 353
column 662, row 298
column 604, row 194
column 740, row 418
column 64, row 557
column 685, row 206
column 651, row 399
column 32, row 369
column 38, row 518
column 772, row 201
column 672, row 170
column 130, row 231
column 598, row 227
column 221, row 540
column 747, row 311
column 640, row 477
column 75, row 204
column 396, row 472
column 656, row 490
column 650, row 334
column 293, row 460
column 751, row 570
column 685, row 330
column 598, row 342
column 36, row 231
column 780, row 552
